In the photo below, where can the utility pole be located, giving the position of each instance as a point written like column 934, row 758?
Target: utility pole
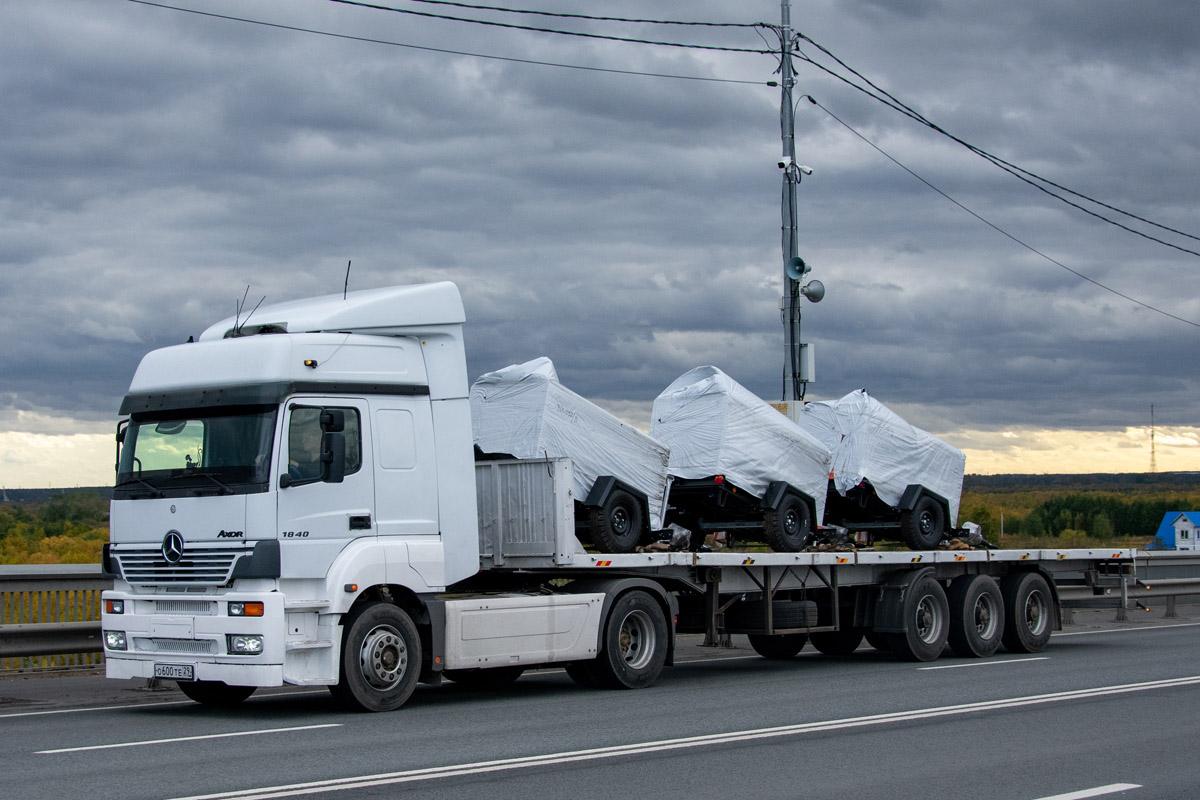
column 798, row 357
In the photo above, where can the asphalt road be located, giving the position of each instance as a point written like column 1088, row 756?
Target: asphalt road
column 1108, row 710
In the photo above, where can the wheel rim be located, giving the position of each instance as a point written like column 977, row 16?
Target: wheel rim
column 985, row 617
column 925, row 522
column 791, row 523
column 636, row 640
column 928, row 621
column 383, row 658
column 1036, row 616
column 619, row 519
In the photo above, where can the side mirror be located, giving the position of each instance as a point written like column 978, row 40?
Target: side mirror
column 333, row 454
column 333, row 420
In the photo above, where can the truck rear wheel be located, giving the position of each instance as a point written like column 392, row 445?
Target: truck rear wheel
column 1028, row 611
column 215, row 693
column 926, row 621
column 837, row 643
column 617, row 525
column 381, row 659
column 976, row 616
column 924, row 526
column 635, row 643
column 782, row 646
column 787, row 528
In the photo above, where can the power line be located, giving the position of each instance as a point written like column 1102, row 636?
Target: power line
column 997, row 228
column 1020, row 173
column 556, row 31
column 588, row 17
column 389, row 43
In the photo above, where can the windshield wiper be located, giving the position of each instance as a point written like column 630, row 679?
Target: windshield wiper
column 154, row 490
column 225, row 488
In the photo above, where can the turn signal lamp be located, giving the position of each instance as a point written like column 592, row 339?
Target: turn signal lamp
column 245, row 609
column 114, row 606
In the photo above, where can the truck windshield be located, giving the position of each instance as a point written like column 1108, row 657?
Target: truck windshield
column 201, row 451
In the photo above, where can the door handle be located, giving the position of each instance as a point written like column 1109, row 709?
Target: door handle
column 360, row 522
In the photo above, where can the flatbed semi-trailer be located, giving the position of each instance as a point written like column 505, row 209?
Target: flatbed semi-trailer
column 298, row 502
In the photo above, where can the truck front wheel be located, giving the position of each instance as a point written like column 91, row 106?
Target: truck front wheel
column 635, row 639
column 787, row 528
column 381, row 659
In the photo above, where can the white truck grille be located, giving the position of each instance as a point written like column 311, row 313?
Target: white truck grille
column 198, row 566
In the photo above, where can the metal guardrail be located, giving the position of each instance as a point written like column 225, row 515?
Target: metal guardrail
column 50, row 616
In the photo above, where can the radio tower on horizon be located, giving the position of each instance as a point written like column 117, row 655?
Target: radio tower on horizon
column 1153, row 464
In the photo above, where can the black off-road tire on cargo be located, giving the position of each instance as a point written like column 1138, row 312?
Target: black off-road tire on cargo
column 633, row 646
column 926, row 615
column 215, row 693
column 778, row 647
column 617, row 526
column 494, row 678
column 787, row 528
column 381, row 659
column 837, row 643
column 976, row 616
column 925, row 526
column 1028, row 612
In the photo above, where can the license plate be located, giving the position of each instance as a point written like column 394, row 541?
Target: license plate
column 176, row 672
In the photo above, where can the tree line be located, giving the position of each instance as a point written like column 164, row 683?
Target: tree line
column 66, row 529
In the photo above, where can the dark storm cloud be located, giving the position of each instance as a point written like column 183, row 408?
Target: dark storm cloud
column 156, row 164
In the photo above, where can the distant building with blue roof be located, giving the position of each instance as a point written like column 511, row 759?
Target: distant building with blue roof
column 1180, row 530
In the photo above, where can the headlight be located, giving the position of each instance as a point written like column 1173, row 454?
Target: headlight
column 242, row 644
column 115, row 640
column 245, row 609
column 114, row 606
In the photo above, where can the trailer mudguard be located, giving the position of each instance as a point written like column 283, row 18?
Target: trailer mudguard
column 913, row 493
column 612, row 587
column 889, row 608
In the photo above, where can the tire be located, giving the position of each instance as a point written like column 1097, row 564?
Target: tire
column 584, row 674
column 381, row 659
column 779, row 647
column 924, row 526
column 926, row 614
column 976, row 616
column 787, row 528
column 1028, row 612
column 837, row 643
column 494, row 678
column 635, row 642
column 617, row 525
column 215, row 693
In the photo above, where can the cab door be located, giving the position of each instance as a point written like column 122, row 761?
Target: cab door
column 318, row 515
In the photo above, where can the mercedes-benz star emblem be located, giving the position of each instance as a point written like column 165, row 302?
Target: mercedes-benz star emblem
column 172, row 547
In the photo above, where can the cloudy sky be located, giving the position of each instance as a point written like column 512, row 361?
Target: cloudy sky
column 154, row 163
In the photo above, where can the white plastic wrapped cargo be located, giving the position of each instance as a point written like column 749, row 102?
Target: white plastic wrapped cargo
column 523, row 411
column 881, row 447
column 715, row 426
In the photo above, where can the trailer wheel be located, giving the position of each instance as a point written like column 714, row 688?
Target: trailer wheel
column 878, row 641
column 787, row 528
column 926, row 617
column 215, row 693
column 1028, row 609
column 779, row 647
column 617, row 525
column 838, row 643
column 976, row 616
column 493, row 678
column 924, row 526
column 635, row 643
column 381, row 659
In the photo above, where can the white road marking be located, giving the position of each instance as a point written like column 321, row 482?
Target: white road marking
column 622, row 751
column 1112, row 788
column 987, row 663
column 1127, row 630
column 128, row 706
column 115, row 745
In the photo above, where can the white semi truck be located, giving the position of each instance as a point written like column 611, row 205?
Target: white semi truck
column 298, row 502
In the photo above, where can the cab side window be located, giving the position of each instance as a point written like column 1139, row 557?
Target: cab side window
column 305, row 439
